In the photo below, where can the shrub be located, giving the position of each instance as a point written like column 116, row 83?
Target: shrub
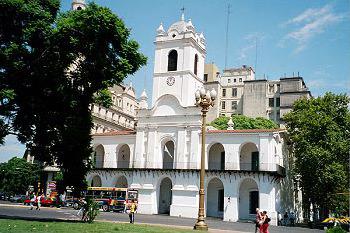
column 336, row 229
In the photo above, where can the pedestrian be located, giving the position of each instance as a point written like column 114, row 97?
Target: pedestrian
column 32, row 200
column 39, row 199
column 257, row 219
column 285, row 218
column 292, row 219
column 265, row 223
column 82, row 205
column 133, row 208
column 279, row 219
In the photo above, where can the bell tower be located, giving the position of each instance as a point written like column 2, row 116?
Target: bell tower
column 179, row 62
column 78, row 5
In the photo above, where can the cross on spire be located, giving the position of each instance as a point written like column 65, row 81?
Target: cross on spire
column 183, row 13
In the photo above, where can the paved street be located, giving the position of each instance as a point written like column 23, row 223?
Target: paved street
column 9, row 210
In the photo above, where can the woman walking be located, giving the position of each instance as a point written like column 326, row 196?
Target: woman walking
column 265, row 223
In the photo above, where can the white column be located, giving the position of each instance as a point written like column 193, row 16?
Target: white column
column 231, row 200
column 267, row 200
column 195, row 149
column 264, row 153
column 154, row 159
column 110, row 159
column 180, row 162
column 139, row 149
column 231, row 156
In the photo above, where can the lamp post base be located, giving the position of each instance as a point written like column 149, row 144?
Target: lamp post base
column 200, row 225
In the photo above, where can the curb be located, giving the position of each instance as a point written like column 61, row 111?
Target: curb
column 213, row 230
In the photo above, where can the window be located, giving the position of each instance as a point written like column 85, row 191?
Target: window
column 271, row 88
column 234, row 105
column 234, row 92
column 172, row 60
column 223, row 92
column 223, row 105
column 278, row 117
column 195, row 64
column 229, row 80
column 240, row 80
column 234, row 80
column 271, row 117
column 205, row 77
column 270, row 102
column 277, row 102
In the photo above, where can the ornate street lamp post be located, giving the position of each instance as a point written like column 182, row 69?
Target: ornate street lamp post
column 204, row 99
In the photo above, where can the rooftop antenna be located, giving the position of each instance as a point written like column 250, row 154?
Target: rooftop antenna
column 227, row 23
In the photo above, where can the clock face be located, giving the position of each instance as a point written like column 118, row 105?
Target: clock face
column 170, row 81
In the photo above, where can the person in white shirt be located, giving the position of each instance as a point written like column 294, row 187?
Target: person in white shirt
column 32, row 200
column 39, row 201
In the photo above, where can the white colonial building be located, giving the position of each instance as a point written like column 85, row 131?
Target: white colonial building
column 161, row 158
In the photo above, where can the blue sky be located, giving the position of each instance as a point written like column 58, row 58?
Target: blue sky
column 309, row 37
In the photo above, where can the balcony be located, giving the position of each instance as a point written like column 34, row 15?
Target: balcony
column 214, row 167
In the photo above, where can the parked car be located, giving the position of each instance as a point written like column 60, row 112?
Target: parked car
column 18, row 198
column 46, row 201
column 4, row 196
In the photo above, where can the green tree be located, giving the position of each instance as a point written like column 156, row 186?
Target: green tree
column 54, row 64
column 17, row 174
column 244, row 122
column 319, row 132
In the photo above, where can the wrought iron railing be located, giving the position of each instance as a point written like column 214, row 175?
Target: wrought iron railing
column 211, row 166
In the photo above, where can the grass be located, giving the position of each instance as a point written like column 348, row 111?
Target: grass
column 24, row 226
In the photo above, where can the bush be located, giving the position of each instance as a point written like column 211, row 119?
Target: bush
column 92, row 210
column 336, row 229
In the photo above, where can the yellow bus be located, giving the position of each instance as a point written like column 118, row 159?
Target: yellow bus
column 109, row 198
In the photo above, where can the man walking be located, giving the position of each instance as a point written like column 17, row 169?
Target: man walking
column 32, row 200
column 133, row 208
column 40, row 197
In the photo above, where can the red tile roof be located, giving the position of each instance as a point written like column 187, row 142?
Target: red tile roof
column 116, row 132
column 246, row 131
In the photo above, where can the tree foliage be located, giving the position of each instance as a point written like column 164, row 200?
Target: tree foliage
column 319, row 131
column 54, row 64
column 17, row 174
column 244, row 122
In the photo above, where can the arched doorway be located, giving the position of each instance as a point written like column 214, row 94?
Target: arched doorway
column 168, row 155
column 216, row 159
column 123, row 157
column 122, row 182
column 96, row 181
column 249, row 157
column 248, row 199
column 99, row 155
column 165, row 196
column 215, row 198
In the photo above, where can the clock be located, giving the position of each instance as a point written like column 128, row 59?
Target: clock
column 170, row 81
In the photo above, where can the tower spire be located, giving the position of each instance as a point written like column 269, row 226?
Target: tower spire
column 183, row 14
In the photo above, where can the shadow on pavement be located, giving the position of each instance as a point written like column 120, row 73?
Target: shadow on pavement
column 39, row 219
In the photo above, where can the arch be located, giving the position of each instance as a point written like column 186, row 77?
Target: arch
column 172, row 60
column 96, row 181
column 165, row 196
column 123, row 156
column 195, row 64
column 249, row 157
column 99, row 156
column 121, row 182
column 216, row 157
column 248, row 198
column 215, row 198
column 168, row 153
